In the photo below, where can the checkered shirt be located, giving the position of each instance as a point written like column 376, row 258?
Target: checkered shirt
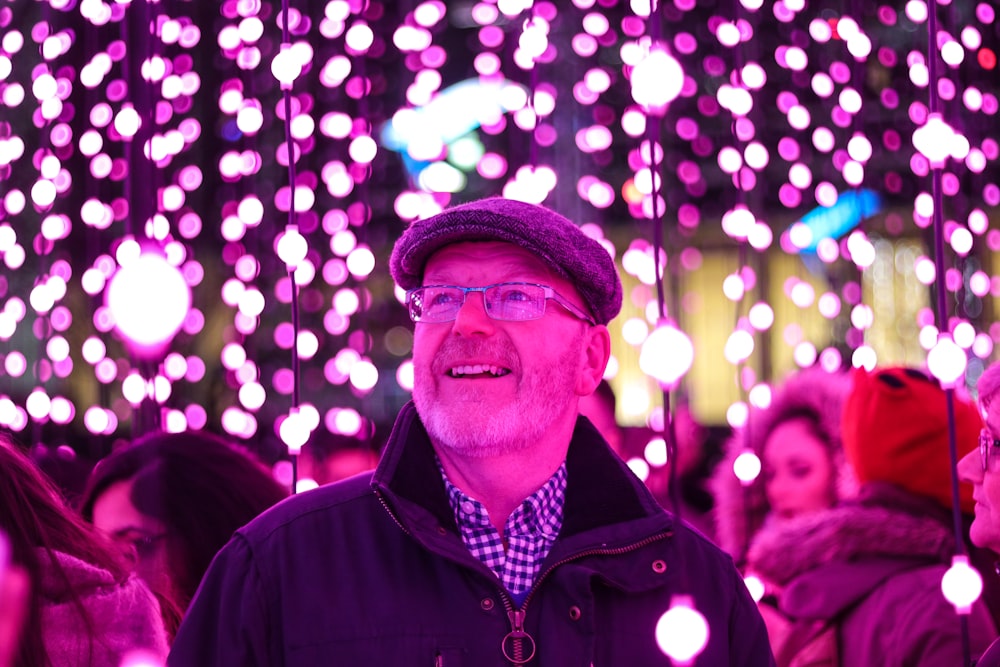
column 531, row 529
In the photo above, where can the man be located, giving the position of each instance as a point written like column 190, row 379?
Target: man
column 498, row 528
column 980, row 467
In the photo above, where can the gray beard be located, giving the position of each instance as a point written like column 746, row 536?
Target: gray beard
column 472, row 428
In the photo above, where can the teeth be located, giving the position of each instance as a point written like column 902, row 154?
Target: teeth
column 478, row 369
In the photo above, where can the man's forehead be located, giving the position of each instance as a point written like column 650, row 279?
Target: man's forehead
column 495, row 256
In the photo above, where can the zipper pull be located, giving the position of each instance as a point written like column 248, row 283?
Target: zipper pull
column 516, row 640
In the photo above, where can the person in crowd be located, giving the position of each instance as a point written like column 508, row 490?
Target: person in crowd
column 499, row 527
column 170, row 501
column 84, row 609
column 330, row 457
column 862, row 580
column 803, row 469
column 981, row 469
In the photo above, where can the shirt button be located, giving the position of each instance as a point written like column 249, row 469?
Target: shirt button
column 468, row 507
column 547, row 528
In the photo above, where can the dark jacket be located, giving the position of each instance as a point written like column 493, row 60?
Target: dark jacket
column 372, row 571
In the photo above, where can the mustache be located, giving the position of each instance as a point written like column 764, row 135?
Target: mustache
column 455, row 350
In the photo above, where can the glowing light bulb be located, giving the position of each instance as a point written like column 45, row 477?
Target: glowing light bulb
column 294, row 431
column 141, row 659
column 655, row 452
column 961, row 584
column 639, row 466
column 739, row 346
column 682, row 632
column 127, row 122
column 937, row 141
column 746, row 467
column 149, row 300
column 947, row 361
column 292, row 247
column 656, row 80
column 666, row 354
column 738, row 222
column 755, row 586
column 286, row 67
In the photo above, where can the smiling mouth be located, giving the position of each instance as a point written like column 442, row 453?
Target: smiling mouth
column 478, row 371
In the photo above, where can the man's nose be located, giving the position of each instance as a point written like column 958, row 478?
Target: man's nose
column 471, row 318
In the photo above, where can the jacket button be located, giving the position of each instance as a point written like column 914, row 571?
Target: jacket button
column 575, row 613
column 486, row 604
column 659, row 566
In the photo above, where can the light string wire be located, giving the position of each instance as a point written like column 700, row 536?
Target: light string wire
column 653, row 135
column 740, row 304
column 44, row 263
column 653, row 139
column 140, row 184
column 942, row 309
column 286, row 93
column 857, row 78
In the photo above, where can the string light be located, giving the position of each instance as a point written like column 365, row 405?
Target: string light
column 962, row 585
column 682, row 632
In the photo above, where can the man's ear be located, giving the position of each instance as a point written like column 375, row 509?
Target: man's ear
column 595, row 355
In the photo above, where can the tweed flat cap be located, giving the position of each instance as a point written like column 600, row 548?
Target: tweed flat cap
column 555, row 239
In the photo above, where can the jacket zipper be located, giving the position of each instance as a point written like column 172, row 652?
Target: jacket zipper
column 517, row 636
column 391, row 514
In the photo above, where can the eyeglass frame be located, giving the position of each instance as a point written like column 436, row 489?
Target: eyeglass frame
column 550, row 293
column 986, row 440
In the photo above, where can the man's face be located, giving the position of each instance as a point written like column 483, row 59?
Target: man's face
column 985, row 529
column 486, row 387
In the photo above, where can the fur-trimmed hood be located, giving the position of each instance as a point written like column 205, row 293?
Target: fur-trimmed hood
column 741, row 511
column 123, row 615
column 874, row 564
column 884, row 522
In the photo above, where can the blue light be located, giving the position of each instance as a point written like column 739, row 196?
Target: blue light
column 834, row 221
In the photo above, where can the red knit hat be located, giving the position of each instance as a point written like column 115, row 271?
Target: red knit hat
column 895, row 429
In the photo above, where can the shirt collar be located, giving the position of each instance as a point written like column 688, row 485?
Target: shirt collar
column 539, row 514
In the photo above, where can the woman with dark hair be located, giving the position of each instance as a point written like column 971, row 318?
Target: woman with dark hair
column 85, row 609
column 171, row 501
column 803, row 469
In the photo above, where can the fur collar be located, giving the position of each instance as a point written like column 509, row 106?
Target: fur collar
column 884, row 523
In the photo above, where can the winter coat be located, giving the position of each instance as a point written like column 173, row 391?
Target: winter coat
column 740, row 511
column 373, row 571
column 123, row 616
column 876, row 564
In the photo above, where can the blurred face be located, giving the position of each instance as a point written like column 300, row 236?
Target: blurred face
column 798, row 473
column 141, row 538
column 486, row 387
column 985, row 529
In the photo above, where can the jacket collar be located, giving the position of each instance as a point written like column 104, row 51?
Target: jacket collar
column 601, row 491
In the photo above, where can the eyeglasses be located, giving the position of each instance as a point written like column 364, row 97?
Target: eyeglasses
column 989, row 447
column 513, row 302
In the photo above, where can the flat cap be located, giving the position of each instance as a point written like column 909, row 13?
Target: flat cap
column 559, row 242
